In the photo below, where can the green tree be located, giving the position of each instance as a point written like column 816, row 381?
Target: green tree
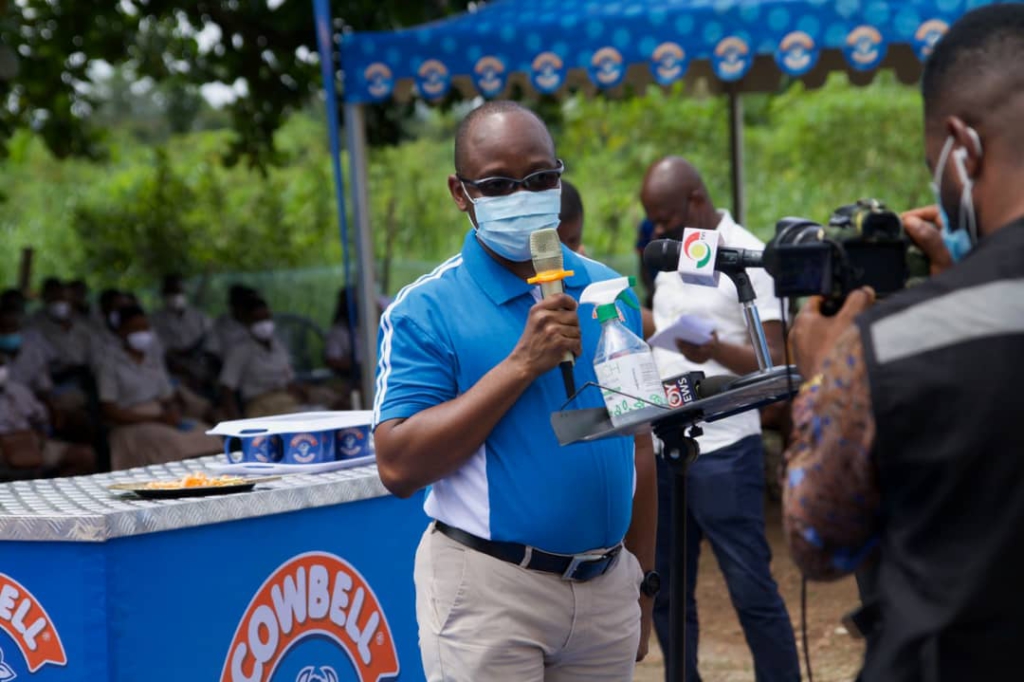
column 272, row 49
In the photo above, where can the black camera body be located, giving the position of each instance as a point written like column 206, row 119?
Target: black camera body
column 864, row 244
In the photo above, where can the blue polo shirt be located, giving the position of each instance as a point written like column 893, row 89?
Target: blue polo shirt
column 441, row 335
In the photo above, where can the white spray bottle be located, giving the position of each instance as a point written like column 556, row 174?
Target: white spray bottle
column 623, row 361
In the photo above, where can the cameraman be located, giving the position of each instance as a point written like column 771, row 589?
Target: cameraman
column 908, row 445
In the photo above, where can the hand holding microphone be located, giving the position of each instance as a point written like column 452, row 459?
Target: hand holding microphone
column 546, row 252
column 552, row 331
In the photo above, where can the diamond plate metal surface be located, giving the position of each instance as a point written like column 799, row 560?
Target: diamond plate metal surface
column 81, row 509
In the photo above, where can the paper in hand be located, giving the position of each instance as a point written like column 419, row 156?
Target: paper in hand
column 689, row 328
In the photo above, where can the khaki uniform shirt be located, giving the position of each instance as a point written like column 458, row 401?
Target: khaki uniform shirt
column 180, row 331
column 254, row 369
column 127, row 383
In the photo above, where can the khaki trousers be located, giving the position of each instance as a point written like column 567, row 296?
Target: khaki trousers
column 486, row 620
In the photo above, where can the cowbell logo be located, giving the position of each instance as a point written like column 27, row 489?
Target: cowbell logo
column 325, row 673
column 927, row 35
column 489, row 76
column 313, row 616
column 6, row 672
column 379, row 80
column 547, row 72
column 732, row 58
column 26, row 621
column 864, row 48
column 433, row 79
column 606, row 67
column 668, row 63
column 697, row 250
column 797, row 54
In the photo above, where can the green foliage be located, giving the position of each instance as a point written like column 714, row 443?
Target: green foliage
column 178, row 208
column 272, row 50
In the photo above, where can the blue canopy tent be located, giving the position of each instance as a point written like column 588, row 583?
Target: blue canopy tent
column 561, row 46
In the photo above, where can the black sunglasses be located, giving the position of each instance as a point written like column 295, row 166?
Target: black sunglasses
column 534, row 182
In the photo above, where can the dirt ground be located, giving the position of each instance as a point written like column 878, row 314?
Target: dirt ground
column 723, row 654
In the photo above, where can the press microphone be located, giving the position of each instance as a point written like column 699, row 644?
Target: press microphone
column 546, row 252
column 664, row 254
column 714, row 385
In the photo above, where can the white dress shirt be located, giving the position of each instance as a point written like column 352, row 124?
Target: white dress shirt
column 673, row 298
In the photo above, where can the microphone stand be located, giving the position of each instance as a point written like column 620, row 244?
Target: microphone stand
column 680, row 450
column 677, row 429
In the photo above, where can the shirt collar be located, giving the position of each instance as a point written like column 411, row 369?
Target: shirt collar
column 500, row 284
column 726, row 225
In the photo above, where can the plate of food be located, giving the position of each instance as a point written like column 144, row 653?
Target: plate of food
column 192, row 485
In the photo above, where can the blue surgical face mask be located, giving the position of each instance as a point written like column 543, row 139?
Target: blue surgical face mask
column 10, row 343
column 959, row 240
column 505, row 223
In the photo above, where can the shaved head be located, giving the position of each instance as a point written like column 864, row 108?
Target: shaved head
column 672, row 175
column 674, row 197
column 474, row 129
column 975, row 71
column 973, row 92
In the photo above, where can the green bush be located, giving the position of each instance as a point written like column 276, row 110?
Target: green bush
column 148, row 211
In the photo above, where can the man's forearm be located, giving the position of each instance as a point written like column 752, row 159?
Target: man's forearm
column 415, row 452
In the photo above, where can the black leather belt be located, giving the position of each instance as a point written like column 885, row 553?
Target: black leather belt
column 575, row 567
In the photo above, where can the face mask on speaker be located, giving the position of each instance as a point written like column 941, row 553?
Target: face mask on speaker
column 505, row 223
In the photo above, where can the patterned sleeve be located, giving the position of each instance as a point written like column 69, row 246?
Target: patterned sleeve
column 831, row 499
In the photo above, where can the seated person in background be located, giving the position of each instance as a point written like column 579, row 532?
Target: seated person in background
column 24, row 425
column 69, row 340
column 26, row 355
column 257, row 370
column 139, row 403
column 338, row 348
column 78, row 295
column 570, row 226
column 106, row 318
column 183, row 331
column 28, row 358
column 229, row 328
column 344, row 394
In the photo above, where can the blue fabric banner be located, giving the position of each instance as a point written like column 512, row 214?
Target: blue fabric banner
column 545, row 39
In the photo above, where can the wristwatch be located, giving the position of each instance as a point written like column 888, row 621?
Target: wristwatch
column 651, row 584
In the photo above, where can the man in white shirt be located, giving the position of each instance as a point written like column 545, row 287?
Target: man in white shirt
column 725, row 490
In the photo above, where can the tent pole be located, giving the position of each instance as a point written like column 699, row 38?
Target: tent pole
column 739, row 208
column 355, row 138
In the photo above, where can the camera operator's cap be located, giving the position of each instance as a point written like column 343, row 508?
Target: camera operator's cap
column 697, row 256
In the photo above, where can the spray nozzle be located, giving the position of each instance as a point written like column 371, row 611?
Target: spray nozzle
column 604, row 294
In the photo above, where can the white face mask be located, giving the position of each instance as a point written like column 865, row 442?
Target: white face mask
column 505, row 223
column 59, row 310
column 176, row 301
column 262, row 330
column 140, row 341
column 3, row 375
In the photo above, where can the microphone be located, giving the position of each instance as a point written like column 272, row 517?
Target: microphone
column 546, row 252
column 663, row 254
column 710, row 386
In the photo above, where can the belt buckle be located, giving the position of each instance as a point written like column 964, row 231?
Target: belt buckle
column 570, row 572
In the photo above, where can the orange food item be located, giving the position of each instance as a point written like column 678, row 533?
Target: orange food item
column 196, row 480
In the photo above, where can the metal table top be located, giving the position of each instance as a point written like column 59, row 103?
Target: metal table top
column 81, row 509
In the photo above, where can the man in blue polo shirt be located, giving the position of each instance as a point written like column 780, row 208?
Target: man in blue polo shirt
column 523, row 575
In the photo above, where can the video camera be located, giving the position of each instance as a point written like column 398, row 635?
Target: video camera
column 863, row 244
